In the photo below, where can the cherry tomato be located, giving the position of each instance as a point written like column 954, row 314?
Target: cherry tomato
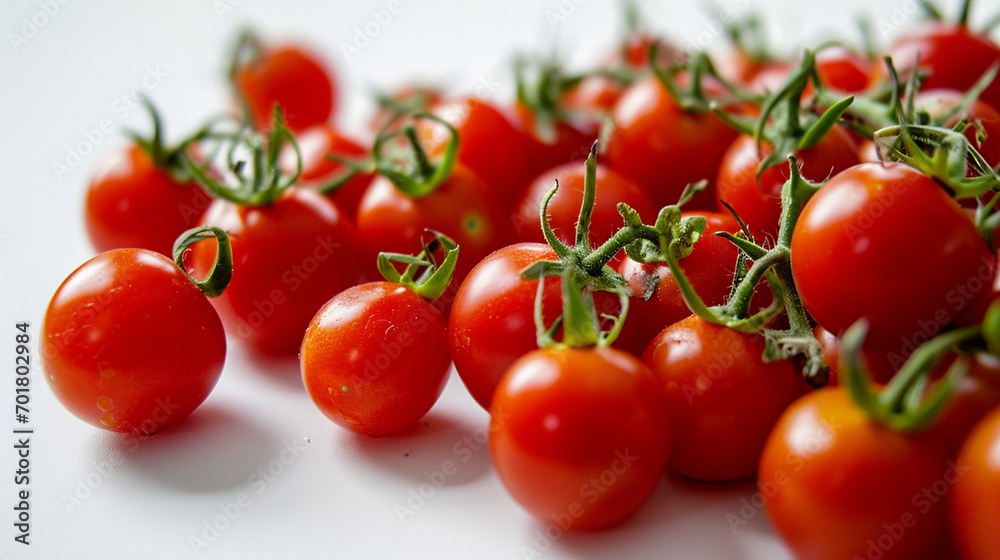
column 130, row 344
column 375, row 358
column 488, row 144
column 709, row 268
column 564, row 207
column 571, row 142
column 722, row 397
column 974, row 502
column 408, row 99
column 593, row 95
column 881, row 364
column 579, row 437
column 291, row 77
column 463, row 208
column 758, row 200
column 953, row 55
column 289, row 258
column 836, row 485
column 876, row 233
column 133, row 203
column 492, row 320
column 662, row 147
column 843, row 70
column 317, row 144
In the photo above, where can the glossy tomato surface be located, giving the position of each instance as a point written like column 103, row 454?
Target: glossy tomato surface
column 375, row 358
column 974, row 504
column 579, row 437
column 129, row 344
column 291, row 77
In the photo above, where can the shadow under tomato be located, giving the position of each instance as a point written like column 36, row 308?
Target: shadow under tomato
column 280, row 370
column 681, row 519
column 213, row 449
column 440, row 447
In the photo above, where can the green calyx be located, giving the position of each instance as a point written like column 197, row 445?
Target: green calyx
column 422, row 273
column 694, row 98
column 221, row 273
column 171, row 158
column 407, row 164
column 251, row 160
column 909, row 402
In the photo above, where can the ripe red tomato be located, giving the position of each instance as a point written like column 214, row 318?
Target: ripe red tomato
column 564, row 207
column 315, row 145
column 758, row 200
column 130, row 344
column 375, row 358
column 462, row 207
column 843, row 70
column 974, row 502
column 850, row 260
column 579, row 437
column 492, row 320
column 954, row 56
column 836, row 485
column 723, row 399
column 289, row 258
column 662, row 147
column 291, row 77
column 709, row 268
column 571, row 142
column 593, row 95
column 133, row 203
column 488, row 144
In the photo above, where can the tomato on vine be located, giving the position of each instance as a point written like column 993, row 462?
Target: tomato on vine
column 973, row 508
column 129, row 341
column 375, row 357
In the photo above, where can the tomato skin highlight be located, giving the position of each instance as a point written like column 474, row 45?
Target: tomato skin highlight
column 662, row 147
column 898, row 229
column 836, row 485
column 375, row 358
column 289, row 259
column 129, row 344
column 492, row 320
column 291, row 77
column 974, row 502
column 579, row 437
column 131, row 202
column 722, row 398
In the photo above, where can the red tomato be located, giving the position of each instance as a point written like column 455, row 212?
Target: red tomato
column 291, row 77
column 129, row 344
column 564, row 207
column 133, row 203
column 758, row 201
column 662, row 147
column 836, row 485
column 974, row 502
column 408, row 99
column 593, row 95
column 488, row 144
column 881, row 364
column 954, row 56
column 316, row 144
column 843, row 70
column 722, row 398
column 571, row 143
column 975, row 396
column 850, row 260
column 579, row 437
column 375, row 358
column 492, row 320
column 709, row 268
column 463, row 208
column 289, row 259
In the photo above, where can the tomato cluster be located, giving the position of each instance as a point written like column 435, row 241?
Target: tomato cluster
column 755, row 228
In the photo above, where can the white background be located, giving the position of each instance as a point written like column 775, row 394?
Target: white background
column 329, row 493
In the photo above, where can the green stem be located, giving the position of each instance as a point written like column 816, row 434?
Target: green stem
column 221, row 273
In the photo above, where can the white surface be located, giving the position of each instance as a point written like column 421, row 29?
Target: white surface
column 331, row 494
